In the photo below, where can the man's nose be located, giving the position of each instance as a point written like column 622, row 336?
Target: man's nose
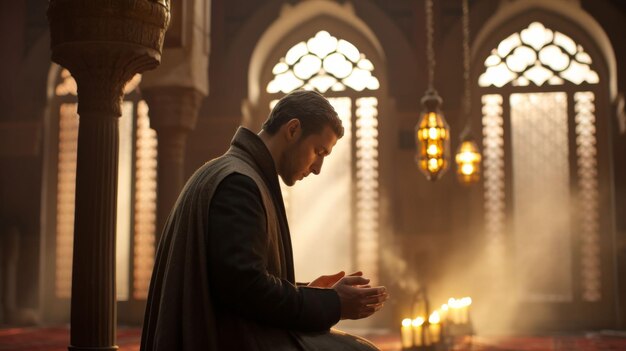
column 316, row 167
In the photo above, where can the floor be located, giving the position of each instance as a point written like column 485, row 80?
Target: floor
column 57, row 338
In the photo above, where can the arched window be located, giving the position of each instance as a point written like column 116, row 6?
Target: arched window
column 543, row 142
column 136, row 196
column 339, row 209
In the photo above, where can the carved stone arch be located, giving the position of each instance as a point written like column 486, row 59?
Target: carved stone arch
column 514, row 19
column 300, row 22
column 304, row 32
column 563, row 15
column 592, row 276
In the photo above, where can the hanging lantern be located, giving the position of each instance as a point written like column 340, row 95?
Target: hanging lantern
column 432, row 137
column 432, row 134
column 468, row 162
column 468, row 155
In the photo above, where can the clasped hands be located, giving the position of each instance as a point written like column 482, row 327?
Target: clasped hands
column 358, row 298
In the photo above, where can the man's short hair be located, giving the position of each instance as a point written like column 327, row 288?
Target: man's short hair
column 312, row 110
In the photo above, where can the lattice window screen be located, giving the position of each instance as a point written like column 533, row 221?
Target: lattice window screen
column 367, row 193
column 145, row 203
column 540, row 56
column 66, row 185
column 494, row 177
column 323, row 63
column 541, row 195
column 588, row 207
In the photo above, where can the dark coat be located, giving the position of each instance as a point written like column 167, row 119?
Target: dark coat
column 223, row 274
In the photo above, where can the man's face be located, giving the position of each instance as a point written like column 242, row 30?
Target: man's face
column 306, row 155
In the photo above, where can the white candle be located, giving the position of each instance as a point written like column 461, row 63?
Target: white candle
column 443, row 313
column 407, row 333
column 434, row 328
column 417, row 331
column 454, row 310
column 465, row 304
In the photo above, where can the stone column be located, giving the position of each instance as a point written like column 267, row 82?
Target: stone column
column 103, row 44
column 173, row 114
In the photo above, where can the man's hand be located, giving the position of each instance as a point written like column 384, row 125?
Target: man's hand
column 327, row 281
column 358, row 300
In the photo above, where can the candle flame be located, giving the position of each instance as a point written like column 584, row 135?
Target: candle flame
column 418, row 321
column 406, row 322
column 434, row 318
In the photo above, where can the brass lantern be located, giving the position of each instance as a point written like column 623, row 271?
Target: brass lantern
column 468, row 155
column 433, row 138
column 468, row 162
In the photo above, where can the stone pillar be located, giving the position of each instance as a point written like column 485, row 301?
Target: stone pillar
column 103, row 44
column 173, row 114
column 174, row 94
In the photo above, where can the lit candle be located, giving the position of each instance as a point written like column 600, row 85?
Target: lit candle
column 407, row 333
column 417, row 331
column 454, row 310
column 443, row 312
column 434, row 328
column 465, row 304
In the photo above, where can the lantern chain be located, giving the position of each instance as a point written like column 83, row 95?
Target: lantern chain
column 430, row 52
column 466, row 66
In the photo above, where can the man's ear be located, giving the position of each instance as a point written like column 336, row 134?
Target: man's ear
column 293, row 129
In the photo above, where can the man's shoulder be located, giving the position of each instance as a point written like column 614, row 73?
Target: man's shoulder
column 225, row 168
column 227, row 164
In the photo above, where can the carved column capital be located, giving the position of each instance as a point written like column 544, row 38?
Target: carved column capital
column 104, row 43
column 173, row 107
column 140, row 23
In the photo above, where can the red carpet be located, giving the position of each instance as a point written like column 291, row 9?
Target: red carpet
column 57, row 339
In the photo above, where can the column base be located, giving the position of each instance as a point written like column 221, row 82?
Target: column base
column 86, row 348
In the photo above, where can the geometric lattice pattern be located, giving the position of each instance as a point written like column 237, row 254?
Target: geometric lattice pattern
column 66, row 188
column 494, row 177
column 538, row 55
column 586, row 152
column 540, row 184
column 367, row 185
column 123, row 228
column 145, row 203
column 322, row 63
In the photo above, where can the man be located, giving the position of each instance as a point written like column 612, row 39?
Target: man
column 224, row 277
